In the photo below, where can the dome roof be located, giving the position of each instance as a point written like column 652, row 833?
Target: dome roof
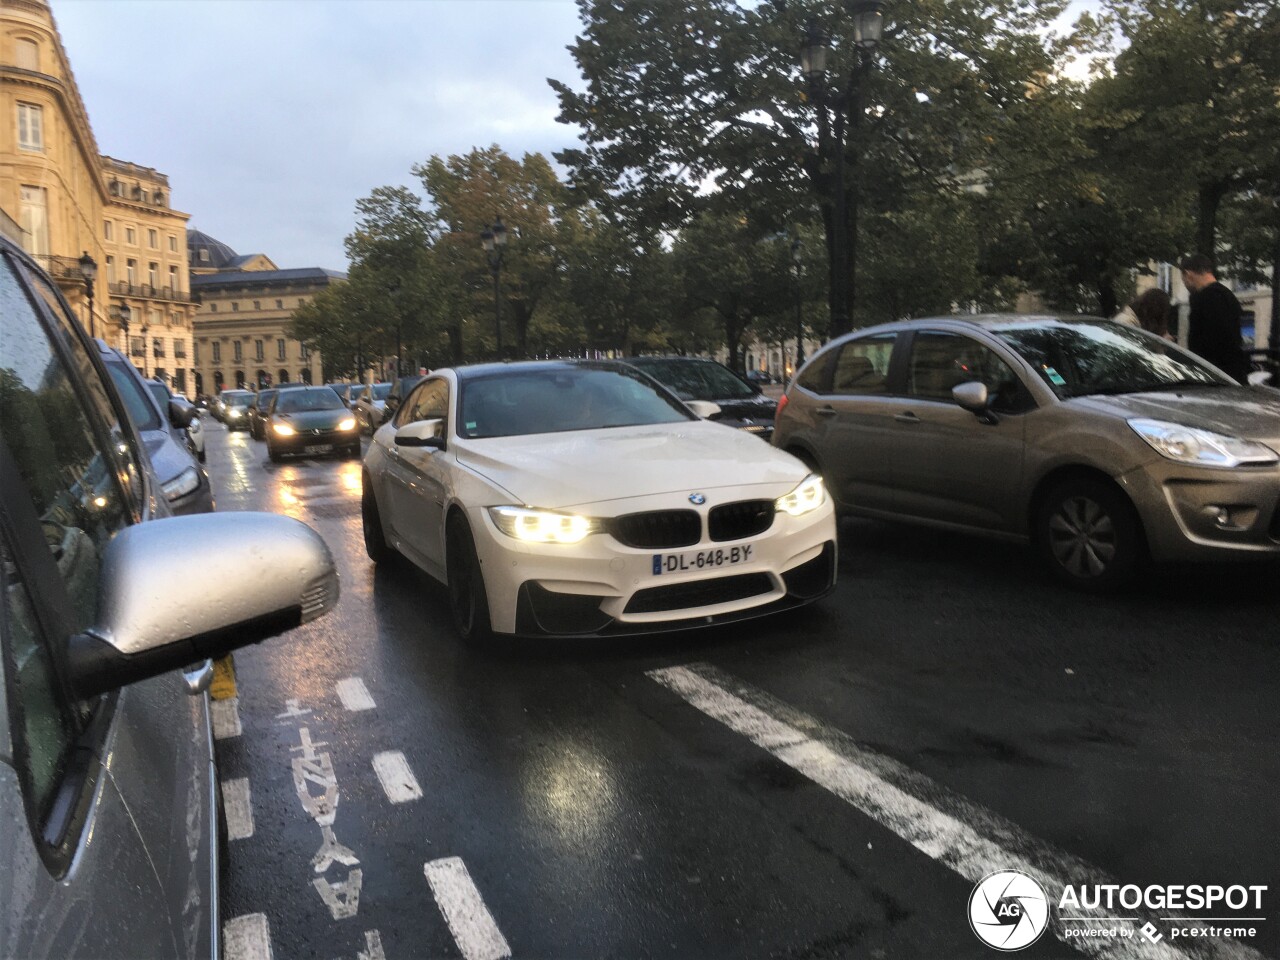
column 203, row 251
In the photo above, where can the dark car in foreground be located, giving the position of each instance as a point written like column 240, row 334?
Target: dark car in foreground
column 1100, row 443
column 109, row 615
column 695, row 378
column 311, row 421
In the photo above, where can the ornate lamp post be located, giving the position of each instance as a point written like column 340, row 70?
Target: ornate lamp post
column 89, row 270
column 837, row 109
column 494, row 240
column 146, row 351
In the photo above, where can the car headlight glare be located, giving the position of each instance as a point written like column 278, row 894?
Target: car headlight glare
column 1202, row 447
column 348, row 424
column 807, row 497
column 182, row 484
column 234, row 412
column 283, row 429
column 543, row 526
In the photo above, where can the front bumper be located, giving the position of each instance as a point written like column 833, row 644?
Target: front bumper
column 339, row 441
column 601, row 587
column 1191, row 513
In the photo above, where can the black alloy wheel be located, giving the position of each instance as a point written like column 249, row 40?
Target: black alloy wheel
column 468, row 601
column 1090, row 535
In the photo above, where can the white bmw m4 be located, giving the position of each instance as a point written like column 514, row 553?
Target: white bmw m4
column 581, row 498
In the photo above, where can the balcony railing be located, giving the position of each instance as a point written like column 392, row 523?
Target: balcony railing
column 60, row 268
column 147, row 291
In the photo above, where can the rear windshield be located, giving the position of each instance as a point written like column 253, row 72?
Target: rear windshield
column 696, row 379
column 319, row 398
column 141, row 410
column 380, row 391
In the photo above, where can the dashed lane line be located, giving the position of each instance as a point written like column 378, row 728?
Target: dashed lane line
column 238, row 807
column 226, row 718
column 354, row 694
column 396, row 777
column 246, row 938
column 469, row 920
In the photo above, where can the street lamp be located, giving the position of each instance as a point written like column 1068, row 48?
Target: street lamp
column 494, row 240
column 89, row 270
column 835, row 109
column 145, row 350
column 795, row 263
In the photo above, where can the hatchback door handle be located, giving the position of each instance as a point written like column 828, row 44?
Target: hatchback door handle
column 907, row 417
column 825, row 411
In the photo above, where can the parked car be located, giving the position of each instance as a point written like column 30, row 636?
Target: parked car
column 193, row 433
column 695, row 378
column 109, row 829
column 258, row 411
column 235, row 408
column 162, row 427
column 1100, row 443
column 760, row 378
column 400, row 388
column 310, row 421
column 370, row 406
column 345, row 392
column 583, row 498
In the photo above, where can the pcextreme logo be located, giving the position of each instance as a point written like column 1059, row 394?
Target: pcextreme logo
column 1008, row 910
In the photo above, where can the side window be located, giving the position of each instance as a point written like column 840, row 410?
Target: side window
column 862, row 366
column 813, row 377
column 429, row 402
column 940, row 361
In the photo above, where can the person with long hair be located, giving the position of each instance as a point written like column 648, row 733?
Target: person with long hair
column 1152, row 311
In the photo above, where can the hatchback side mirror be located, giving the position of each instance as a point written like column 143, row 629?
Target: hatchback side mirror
column 181, row 413
column 260, row 574
column 974, row 397
column 422, row 433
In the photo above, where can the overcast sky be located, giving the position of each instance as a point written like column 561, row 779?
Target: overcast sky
column 272, row 117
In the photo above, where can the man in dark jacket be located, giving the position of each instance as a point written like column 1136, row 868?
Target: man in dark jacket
column 1214, row 324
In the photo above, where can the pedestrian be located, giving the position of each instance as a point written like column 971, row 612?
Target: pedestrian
column 1214, row 323
column 1151, row 310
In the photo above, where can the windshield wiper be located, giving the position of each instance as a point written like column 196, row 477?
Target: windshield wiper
column 1180, row 384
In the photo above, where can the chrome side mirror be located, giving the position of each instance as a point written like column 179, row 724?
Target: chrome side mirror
column 703, row 408
column 422, row 433
column 260, row 574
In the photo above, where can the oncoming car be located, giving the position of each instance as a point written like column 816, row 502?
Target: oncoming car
column 310, row 421
column 581, row 498
column 235, row 408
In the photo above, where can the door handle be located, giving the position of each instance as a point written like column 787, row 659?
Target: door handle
column 199, row 678
column 907, row 417
column 825, row 411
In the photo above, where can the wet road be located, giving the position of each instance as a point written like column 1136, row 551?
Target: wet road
column 831, row 784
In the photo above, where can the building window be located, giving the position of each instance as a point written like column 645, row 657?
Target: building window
column 107, row 229
column 173, row 244
column 302, row 301
column 280, row 351
column 180, row 349
column 153, row 272
column 30, row 126
column 303, row 352
column 157, row 347
column 235, row 306
column 204, row 255
column 213, row 308
column 28, row 54
column 34, row 218
column 111, row 269
column 153, row 239
column 279, row 304
column 258, row 352
column 257, row 304
column 131, row 271
column 173, row 280
column 195, row 351
column 217, row 355
column 130, row 235
column 239, row 353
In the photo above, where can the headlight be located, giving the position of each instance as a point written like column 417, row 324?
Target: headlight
column 234, row 412
column 543, row 526
column 182, row 484
column 283, row 429
column 1202, row 447
column 347, row 424
column 807, row 497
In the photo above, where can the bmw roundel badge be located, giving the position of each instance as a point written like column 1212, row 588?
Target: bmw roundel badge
column 697, row 499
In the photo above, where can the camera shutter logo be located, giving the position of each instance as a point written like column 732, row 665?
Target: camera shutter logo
column 1008, row 911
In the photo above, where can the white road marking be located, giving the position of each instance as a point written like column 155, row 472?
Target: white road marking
column 238, row 806
column 953, row 830
column 396, row 777
column 246, row 938
column 342, row 898
column 226, row 718
column 372, row 947
column 469, row 920
column 354, row 694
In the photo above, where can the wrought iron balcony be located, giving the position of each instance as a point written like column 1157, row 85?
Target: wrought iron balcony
column 146, row 291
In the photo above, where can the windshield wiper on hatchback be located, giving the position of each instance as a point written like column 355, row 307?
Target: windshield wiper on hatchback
column 1180, row 384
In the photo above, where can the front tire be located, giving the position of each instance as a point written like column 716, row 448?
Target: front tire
column 275, row 455
column 375, row 543
column 468, row 600
column 1090, row 535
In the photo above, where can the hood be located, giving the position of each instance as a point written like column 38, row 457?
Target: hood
column 560, row 470
column 314, row 419
column 1252, row 413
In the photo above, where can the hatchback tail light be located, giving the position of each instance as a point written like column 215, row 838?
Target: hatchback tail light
column 782, row 405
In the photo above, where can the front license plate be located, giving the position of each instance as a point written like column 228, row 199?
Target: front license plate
column 701, row 559
column 318, row 448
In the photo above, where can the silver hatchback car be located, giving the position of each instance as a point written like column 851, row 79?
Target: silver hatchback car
column 1100, row 443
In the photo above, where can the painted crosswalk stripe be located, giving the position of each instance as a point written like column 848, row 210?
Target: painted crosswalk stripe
column 953, row 830
column 469, row 920
column 246, row 938
column 238, row 807
column 226, row 718
column 354, row 694
column 396, row 777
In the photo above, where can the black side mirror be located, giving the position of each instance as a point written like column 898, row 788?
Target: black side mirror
column 181, row 413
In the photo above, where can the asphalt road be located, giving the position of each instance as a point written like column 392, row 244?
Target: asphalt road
column 829, row 784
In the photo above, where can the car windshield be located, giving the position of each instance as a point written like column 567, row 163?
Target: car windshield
column 557, row 399
column 1081, row 358
column 696, row 379
column 380, row 391
column 141, row 410
column 319, row 398
column 238, row 399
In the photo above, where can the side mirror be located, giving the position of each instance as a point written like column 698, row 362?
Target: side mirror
column 703, row 408
column 973, row 396
column 422, row 433
column 181, row 413
column 260, row 575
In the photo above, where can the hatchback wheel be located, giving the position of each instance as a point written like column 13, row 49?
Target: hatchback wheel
column 375, row 543
column 468, row 601
column 1090, row 535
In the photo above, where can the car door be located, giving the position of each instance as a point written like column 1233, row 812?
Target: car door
column 416, row 477
column 949, row 464
column 104, row 803
column 853, row 420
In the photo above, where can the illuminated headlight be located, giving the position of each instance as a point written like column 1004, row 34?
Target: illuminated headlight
column 182, row 484
column 283, row 429
column 347, row 424
column 1202, row 447
column 543, row 526
column 234, row 412
column 807, row 497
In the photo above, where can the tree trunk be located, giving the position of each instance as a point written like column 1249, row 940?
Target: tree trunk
column 1208, row 199
column 1107, row 300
